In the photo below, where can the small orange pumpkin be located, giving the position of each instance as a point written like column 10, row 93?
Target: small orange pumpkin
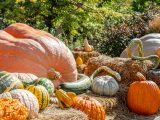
column 90, row 106
column 12, row 109
column 79, row 60
column 143, row 96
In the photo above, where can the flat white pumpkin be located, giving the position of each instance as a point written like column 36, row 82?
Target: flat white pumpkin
column 105, row 85
column 151, row 46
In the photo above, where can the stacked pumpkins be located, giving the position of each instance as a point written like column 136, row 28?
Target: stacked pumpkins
column 36, row 54
column 31, row 91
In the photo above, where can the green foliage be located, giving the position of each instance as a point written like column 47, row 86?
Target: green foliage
column 63, row 18
column 108, row 24
column 140, row 5
column 121, row 29
column 118, row 35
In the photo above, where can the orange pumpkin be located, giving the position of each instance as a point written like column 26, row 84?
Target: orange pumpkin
column 29, row 50
column 79, row 61
column 12, row 109
column 143, row 96
column 90, row 106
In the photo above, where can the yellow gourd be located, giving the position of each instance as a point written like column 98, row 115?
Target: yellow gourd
column 79, row 61
column 87, row 47
column 65, row 99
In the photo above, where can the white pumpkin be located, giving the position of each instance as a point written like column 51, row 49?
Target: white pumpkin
column 105, row 85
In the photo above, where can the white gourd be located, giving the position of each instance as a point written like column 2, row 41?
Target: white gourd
column 151, row 46
column 105, row 85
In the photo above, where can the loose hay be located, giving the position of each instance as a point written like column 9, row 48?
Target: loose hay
column 81, row 68
column 125, row 66
column 52, row 112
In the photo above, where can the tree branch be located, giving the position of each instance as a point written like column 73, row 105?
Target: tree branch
column 59, row 28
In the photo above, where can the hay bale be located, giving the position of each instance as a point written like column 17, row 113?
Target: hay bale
column 54, row 113
column 81, row 68
column 125, row 66
column 85, row 55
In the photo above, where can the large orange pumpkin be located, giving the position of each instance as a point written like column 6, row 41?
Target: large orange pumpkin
column 28, row 50
column 143, row 96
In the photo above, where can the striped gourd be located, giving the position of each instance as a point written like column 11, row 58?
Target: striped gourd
column 25, row 97
column 79, row 86
column 41, row 93
column 47, row 84
column 26, row 78
column 3, row 73
column 9, row 82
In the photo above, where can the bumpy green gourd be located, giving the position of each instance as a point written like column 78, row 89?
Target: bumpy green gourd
column 141, row 57
column 140, row 47
column 108, row 70
column 153, row 58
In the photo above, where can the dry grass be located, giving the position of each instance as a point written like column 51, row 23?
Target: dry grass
column 115, row 110
column 126, row 67
column 52, row 112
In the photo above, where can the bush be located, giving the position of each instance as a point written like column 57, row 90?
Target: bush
column 119, row 31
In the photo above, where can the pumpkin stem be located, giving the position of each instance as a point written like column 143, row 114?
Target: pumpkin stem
column 140, row 47
column 115, row 74
column 53, row 74
column 153, row 58
column 86, row 97
column 140, row 77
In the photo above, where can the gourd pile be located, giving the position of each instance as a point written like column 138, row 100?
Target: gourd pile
column 38, row 70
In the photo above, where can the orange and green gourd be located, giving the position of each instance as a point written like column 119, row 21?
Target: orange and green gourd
column 65, row 99
column 9, row 82
column 90, row 106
